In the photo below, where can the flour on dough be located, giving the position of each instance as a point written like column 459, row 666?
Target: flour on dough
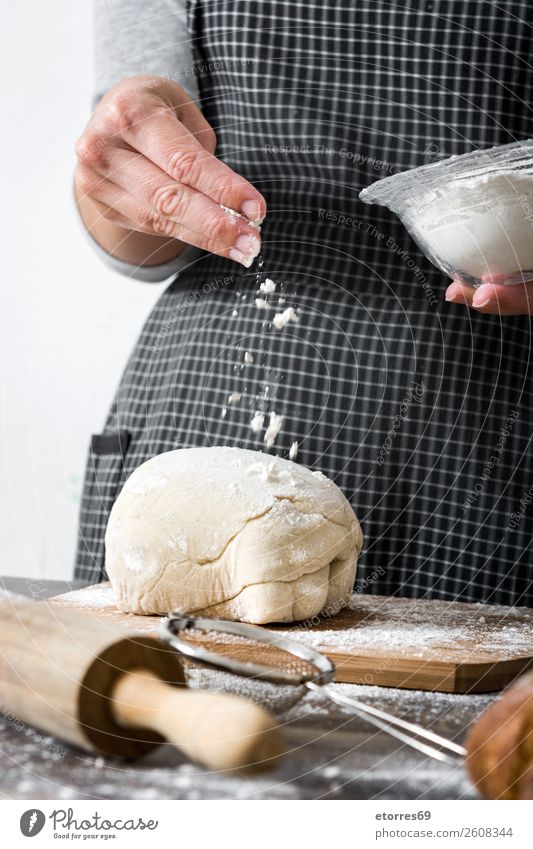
column 232, row 534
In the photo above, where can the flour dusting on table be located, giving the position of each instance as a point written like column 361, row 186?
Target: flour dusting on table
column 387, row 625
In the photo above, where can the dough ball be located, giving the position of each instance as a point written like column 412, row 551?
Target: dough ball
column 231, row 534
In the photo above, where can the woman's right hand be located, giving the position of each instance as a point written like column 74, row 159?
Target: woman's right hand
column 146, row 165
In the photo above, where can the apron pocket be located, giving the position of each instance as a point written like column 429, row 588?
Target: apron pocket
column 104, row 477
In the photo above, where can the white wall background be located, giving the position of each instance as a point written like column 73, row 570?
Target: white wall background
column 67, row 323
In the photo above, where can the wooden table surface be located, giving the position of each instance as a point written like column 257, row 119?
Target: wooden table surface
column 331, row 754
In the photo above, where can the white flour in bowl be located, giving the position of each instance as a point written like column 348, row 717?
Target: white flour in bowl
column 480, row 223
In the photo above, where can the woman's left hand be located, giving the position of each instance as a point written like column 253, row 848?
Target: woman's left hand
column 494, row 298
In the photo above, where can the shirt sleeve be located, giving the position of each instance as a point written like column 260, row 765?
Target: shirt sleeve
column 142, row 37
column 134, row 37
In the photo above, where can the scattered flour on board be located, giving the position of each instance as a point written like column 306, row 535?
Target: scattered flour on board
column 401, row 627
column 397, row 626
column 97, row 596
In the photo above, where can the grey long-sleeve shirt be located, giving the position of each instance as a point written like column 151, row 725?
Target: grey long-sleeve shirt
column 132, row 38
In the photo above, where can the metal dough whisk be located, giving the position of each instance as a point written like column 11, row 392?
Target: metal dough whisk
column 289, row 662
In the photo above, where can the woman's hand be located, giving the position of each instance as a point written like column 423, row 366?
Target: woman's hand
column 147, row 180
column 493, row 298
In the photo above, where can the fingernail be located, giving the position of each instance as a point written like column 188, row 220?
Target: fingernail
column 252, row 210
column 248, row 245
column 482, row 296
column 240, row 257
column 451, row 294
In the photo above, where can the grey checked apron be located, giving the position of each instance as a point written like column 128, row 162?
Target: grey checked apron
column 421, row 411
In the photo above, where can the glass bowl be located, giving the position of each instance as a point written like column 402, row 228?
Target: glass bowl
column 471, row 215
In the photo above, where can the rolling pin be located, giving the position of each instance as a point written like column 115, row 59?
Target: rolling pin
column 85, row 681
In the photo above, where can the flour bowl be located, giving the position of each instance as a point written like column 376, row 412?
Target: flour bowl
column 471, row 215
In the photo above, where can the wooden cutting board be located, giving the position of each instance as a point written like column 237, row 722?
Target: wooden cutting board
column 450, row 647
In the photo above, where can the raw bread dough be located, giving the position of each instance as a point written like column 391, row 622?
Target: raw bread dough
column 231, row 534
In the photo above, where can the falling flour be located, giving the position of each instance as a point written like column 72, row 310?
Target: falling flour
column 273, row 429
column 257, row 422
column 281, row 319
column 268, row 286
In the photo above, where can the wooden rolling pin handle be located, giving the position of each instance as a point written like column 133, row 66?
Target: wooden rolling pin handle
column 218, row 730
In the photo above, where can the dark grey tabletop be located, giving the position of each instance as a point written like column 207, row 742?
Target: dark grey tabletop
column 331, row 755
